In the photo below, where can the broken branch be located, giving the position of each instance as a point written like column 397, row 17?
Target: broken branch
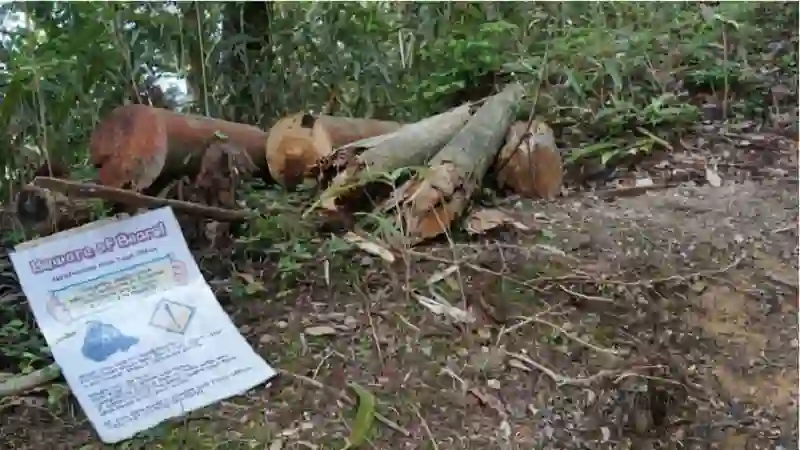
column 134, row 199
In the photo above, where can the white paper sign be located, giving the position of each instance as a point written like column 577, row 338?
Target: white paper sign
column 138, row 333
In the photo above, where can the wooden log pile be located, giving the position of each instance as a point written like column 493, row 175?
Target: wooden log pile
column 421, row 175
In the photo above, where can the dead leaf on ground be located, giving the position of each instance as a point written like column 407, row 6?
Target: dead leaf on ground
column 252, row 285
column 370, row 247
column 321, row 330
column 442, row 275
column 442, row 307
column 713, row 177
column 490, row 401
column 483, row 220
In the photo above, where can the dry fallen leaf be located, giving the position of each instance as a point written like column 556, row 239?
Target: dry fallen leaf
column 483, row 220
column 440, row 307
column 251, row 284
column 322, row 330
column 713, row 177
column 517, row 364
column 369, row 247
column 490, row 401
column 442, row 275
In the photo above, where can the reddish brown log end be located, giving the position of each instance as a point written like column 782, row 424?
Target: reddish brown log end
column 293, row 148
column 534, row 168
column 129, row 147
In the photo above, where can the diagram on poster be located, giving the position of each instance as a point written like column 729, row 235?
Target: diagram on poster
column 137, row 331
column 172, row 316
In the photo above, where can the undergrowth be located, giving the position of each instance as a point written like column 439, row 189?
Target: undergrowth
column 614, row 80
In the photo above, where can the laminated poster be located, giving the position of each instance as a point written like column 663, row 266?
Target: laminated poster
column 138, row 333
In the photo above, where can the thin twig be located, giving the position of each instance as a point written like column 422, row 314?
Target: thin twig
column 345, row 398
column 584, row 296
column 534, row 319
column 425, row 427
column 702, row 273
column 561, row 380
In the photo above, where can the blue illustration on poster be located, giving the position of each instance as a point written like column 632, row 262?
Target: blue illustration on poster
column 103, row 340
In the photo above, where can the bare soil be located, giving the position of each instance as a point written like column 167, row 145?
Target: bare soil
column 667, row 320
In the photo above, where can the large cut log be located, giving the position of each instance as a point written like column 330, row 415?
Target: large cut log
column 530, row 163
column 136, row 144
column 357, row 175
column 298, row 141
column 428, row 203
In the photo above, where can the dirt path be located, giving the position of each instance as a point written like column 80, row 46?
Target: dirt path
column 669, row 321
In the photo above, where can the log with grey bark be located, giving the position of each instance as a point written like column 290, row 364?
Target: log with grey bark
column 358, row 174
column 430, row 201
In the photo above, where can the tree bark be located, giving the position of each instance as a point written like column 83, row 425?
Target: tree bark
column 45, row 212
column 358, row 174
column 429, row 203
column 136, row 144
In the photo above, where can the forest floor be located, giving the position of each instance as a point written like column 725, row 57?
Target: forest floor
column 666, row 320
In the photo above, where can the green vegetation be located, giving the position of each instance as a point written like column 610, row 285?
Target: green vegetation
column 614, row 80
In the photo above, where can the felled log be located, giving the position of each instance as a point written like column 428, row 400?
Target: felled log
column 428, row 203
column 45, row 212
column 530, row 163
column 297, row 142
column 355, row 175
column 136, row 144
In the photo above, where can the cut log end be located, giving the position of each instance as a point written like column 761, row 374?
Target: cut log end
column 534, row 168
column 136, row 144
column 298, row 143
column 129, row 147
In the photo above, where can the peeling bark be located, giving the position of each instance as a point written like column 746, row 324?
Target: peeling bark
column 297, row 142
column 355, row 175
column 534, row 168
column 428, row 203
column 136, row 144
column 221, row 171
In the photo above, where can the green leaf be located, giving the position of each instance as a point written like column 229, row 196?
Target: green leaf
column 365, row 416
column 606, row 156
